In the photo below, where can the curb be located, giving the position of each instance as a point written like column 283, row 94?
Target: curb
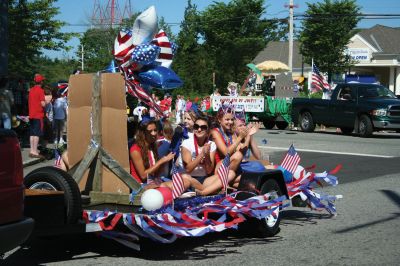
column 31, row 162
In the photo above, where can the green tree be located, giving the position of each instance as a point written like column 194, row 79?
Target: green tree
column 32, row 28
column 163, row 25
column 234, row 33
column 55, row 69
column 327, row 30
column 192, row 63
column 98, row 44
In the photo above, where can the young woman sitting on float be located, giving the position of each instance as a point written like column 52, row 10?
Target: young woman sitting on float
column 252, row 158
column 198, row 155
column 145, row 163
column 228, row 142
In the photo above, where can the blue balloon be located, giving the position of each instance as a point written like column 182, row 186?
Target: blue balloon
column 145, row 54
column 160, row 77
column 174, row 48
column 111, row 68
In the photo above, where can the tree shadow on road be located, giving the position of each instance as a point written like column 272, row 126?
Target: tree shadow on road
column 392, row 196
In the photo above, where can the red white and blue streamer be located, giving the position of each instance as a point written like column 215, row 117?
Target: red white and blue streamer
column 190, row 217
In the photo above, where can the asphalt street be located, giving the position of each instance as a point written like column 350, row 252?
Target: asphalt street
column 364, row 232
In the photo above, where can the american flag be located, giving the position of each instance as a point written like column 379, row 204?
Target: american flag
column 166, row 54
column 318, row 81
column 57, row 156
column 177, row 183
column 133, row 87
column 291, row 160
column 223, row 171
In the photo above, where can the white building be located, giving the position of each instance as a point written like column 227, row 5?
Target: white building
column 376, row 50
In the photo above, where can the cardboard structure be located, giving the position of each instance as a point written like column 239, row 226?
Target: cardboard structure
column 112, row 136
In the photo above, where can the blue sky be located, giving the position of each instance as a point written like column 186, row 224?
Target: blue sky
column 78, row 12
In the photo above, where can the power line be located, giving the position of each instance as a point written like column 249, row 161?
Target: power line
column 296, row 16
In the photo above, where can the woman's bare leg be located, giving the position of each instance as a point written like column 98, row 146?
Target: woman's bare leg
column 213, row 184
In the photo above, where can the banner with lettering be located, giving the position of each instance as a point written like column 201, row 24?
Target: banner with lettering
column 253, row 104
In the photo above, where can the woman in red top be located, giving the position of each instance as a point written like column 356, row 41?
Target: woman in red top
column 228, row 142
column 143, row 154
column 144, row 161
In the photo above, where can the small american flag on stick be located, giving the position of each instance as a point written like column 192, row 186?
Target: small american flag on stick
column 177, row 183
column 223, row 171
column 291, row 160
column 58, row 158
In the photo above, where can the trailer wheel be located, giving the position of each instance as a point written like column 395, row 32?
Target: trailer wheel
column 269, row 226
column 306, row 122
column 51, row 178
column 365, row 127
column 281, row 124
column 269, row 124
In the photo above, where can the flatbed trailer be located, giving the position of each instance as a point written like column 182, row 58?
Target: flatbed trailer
column 78, row 201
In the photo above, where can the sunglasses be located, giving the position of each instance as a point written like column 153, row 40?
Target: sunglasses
column 202, row 127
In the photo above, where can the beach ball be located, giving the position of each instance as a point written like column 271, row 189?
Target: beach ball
column 152, row 199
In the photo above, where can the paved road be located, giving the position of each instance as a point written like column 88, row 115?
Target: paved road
column 365, row 231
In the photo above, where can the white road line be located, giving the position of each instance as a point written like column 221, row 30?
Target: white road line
column 329, row 152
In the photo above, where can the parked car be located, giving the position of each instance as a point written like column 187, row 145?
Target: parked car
column 14, row 227
column 360, row 107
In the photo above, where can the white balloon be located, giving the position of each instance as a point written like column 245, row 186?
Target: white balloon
column 145, row 26
column 152, row 199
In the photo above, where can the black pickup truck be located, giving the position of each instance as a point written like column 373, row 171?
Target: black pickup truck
column 363, row 108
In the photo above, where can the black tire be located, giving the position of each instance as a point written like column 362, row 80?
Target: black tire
column 269, row 226
column 346, row 130
column 307, row 122
column 52, row 178
column 269, row 124
column 281, row 124
column 365, row 127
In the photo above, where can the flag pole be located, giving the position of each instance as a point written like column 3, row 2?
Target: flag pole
column 310, row 75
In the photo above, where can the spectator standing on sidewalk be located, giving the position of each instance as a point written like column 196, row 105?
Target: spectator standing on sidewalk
column 48, row 118
column 60, row 115
column 6, row 102
column 36, row 104
column 178, row 110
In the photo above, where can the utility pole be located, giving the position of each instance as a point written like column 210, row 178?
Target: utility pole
column 291, row 35
column 82, row 63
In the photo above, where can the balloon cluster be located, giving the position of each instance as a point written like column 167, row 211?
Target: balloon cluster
column 145, row 56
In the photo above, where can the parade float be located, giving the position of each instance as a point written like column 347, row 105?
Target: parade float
column 266, row 95
column 99, row 195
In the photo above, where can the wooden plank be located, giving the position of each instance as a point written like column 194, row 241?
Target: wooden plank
column 119, row 171
column 40, row 192
column 86, row 161
column 96, row 126
column 97, row 197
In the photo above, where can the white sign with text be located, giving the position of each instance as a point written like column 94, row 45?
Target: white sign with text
column 248, row 103
column 359, row 54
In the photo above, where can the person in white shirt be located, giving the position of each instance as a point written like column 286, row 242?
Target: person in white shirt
column 178, row 108
column 60, row 111
column 198, row 156
column 138, row 111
